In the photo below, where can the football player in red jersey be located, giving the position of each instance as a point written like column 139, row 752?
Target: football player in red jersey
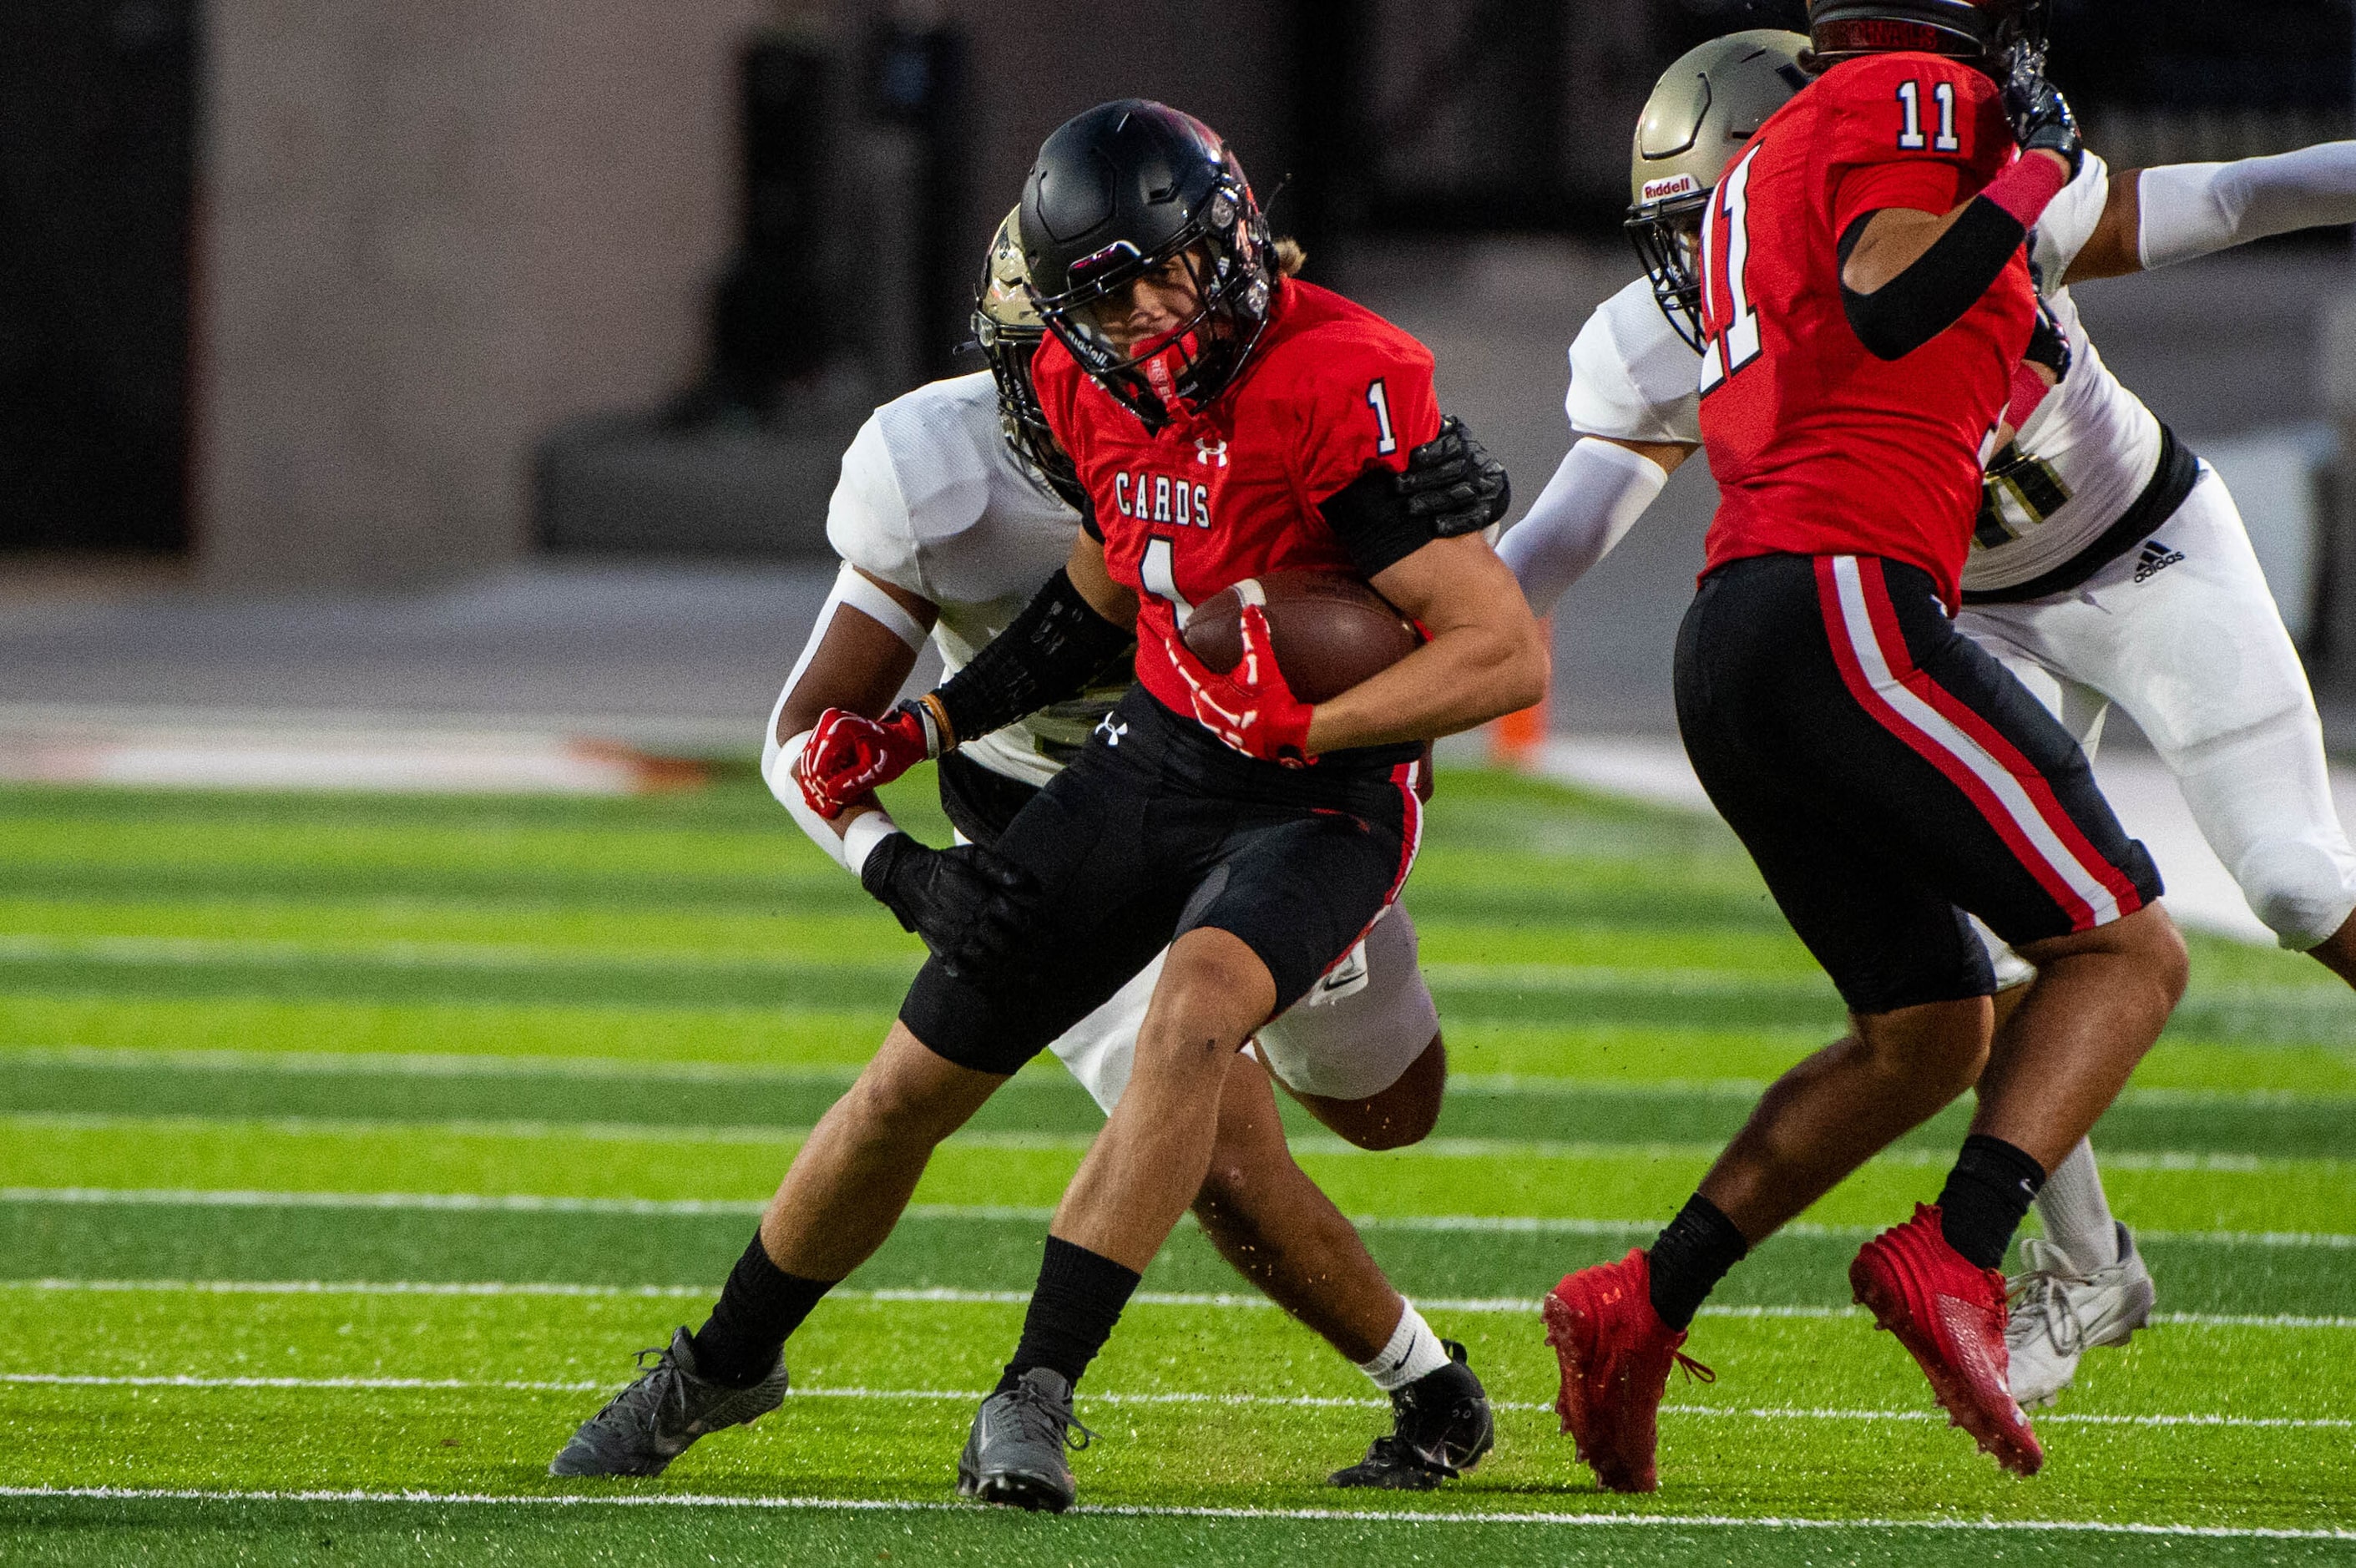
column 1224, row 421
column 1867, row 308
column 955, row 506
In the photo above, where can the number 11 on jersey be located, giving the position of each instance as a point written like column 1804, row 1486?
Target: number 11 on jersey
column 1726, row 287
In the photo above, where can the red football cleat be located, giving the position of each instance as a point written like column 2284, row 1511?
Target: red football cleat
column 1616, row 1354
column 1951, row 1318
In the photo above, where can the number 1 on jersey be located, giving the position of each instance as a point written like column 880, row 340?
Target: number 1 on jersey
column 1159, row 572
column 1378, row 398
column 1727, row 233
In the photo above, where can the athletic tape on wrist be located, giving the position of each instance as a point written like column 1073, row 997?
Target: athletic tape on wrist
column 859, row 838
column 865, row 831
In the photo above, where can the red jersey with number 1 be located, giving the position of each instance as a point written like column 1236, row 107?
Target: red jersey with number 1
column 1818, row 447
column 1233, row 492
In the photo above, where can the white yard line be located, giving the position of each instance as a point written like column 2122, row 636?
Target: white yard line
column 1072, row 1142
column 948, row 1296
column 390, row 1064
column 972, row 1396
column 1317, row 1516
column 692, row 1208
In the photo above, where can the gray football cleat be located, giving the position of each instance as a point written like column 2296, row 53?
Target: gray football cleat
column 2060, row 1314
column 1015, row 1454
column 649, row 1425
column 1442, row 1425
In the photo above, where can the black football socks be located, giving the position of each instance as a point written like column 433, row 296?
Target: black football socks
column 1986, row 1194
column 759, row 1307
column 1691, row 1256
column 1079, row 1297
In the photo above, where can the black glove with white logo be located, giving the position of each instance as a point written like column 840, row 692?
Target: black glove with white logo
column 972, row 906
column 2042, row 121
column 1453, row 486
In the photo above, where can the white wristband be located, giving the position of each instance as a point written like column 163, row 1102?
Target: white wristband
column 859, row 838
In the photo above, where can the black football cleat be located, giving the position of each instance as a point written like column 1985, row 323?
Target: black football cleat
column 1440, row 1427
column 1014, row 1456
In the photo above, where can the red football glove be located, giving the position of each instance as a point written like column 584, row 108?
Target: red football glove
column 848, row 757
column 1250, row 708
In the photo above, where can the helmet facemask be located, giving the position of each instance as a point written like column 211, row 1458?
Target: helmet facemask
column 1008, row 331
column 1230, row 262
column 1667, row 237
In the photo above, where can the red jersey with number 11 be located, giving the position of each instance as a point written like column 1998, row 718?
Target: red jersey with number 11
column 1818, row 447
column 1233, row 492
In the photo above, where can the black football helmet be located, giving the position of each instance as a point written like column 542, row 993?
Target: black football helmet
column 2004, row 38
column 1118, row 192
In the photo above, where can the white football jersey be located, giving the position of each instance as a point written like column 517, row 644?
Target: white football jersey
column 1632, row 377
column 2086, row 454
column 932, row 502
column 2091, row 449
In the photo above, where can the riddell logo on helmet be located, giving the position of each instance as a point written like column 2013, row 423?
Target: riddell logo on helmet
column 1674, row 185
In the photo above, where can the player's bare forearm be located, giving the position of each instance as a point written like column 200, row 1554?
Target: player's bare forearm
column 2115, row 248
column 1487, row 656
column 1668, row 455
column 858, row 664
column 1897, row 237
column 1085, row 567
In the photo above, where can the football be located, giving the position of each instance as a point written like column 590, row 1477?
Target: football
column 1329, row 632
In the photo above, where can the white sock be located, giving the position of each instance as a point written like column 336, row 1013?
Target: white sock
column 1414, row 1353
column 2077, row 1216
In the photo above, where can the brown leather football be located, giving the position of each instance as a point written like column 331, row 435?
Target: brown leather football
column 1330, row 633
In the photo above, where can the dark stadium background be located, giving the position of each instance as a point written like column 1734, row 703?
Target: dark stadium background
column 312, row 317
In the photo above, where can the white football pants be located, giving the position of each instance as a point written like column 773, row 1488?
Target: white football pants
column 2183, row 634
column 1349, row 1047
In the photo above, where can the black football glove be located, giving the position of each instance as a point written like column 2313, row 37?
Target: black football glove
column 2042, row 120
column 1453, row 486
column 2048, row 346
column 972, row 908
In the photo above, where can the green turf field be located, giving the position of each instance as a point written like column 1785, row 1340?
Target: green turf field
column 353, row 1145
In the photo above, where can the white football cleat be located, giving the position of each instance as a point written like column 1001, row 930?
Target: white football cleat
column 2058, row 1314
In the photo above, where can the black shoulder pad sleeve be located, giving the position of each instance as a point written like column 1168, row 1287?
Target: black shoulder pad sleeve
column 1942, row 286
column 1050, row 654
column 1375, row 524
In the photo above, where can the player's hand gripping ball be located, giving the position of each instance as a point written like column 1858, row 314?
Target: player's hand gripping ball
column 849, row 756
column 1260, row 655
column 1250, row 706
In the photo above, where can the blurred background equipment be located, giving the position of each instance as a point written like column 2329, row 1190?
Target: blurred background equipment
column 97, row 165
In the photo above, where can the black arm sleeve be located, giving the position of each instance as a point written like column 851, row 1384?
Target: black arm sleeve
column 1053, row 650
column 1944, row 283
column 1374, row 522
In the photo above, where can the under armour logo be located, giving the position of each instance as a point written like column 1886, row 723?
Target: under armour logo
column 1111, row 730
column 2156, row 558
column 1211, row 449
